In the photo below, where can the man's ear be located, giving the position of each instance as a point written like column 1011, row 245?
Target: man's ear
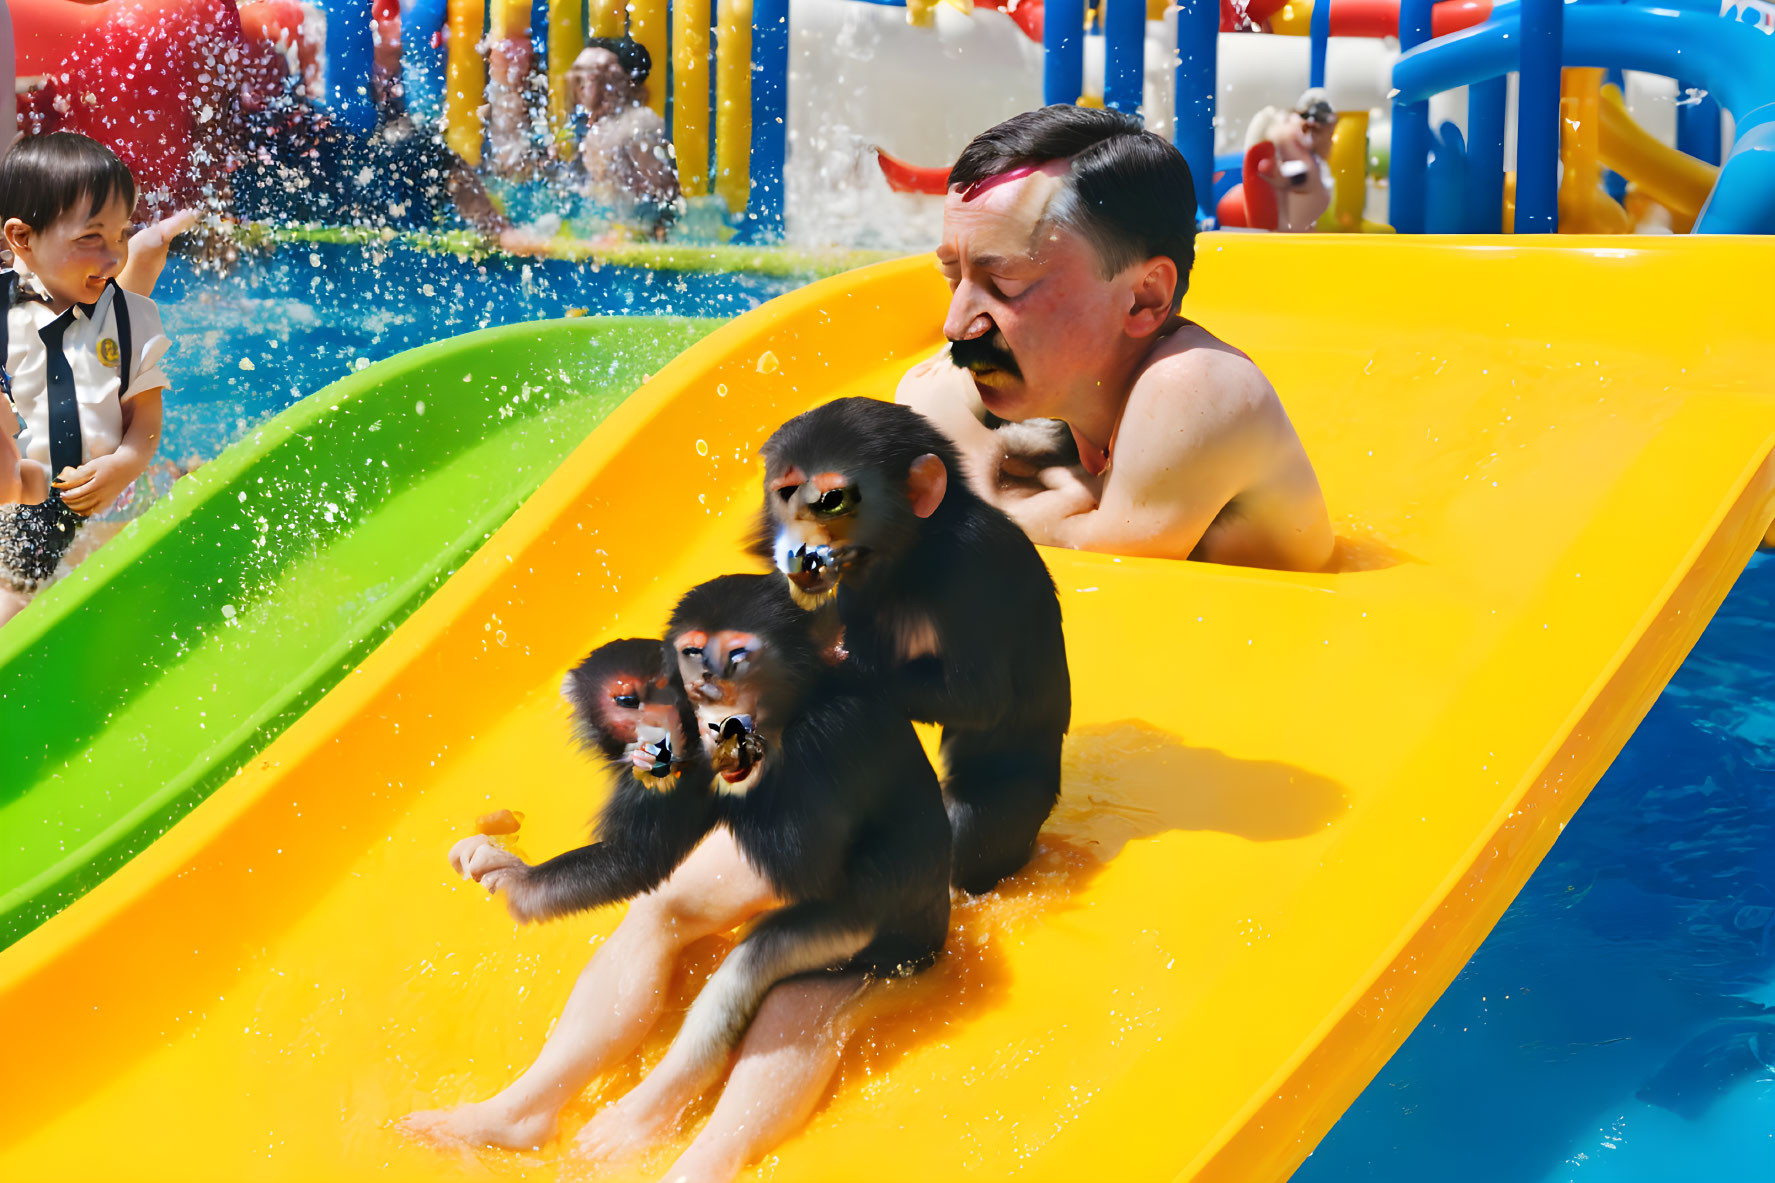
column 926, row 482
column 1154, row 297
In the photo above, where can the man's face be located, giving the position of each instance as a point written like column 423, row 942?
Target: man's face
column 1031, row 315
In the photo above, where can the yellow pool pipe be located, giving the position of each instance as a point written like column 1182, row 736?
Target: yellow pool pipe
column 608, row 18
column 1293, row 19
column 677, row 32
column 1673, row 179
column 510, row 19
column 1584, row 208
column 733, row 96
column 690, row 94
column 1349, row 178
column 649, row 24
column 565, row 43
column 465, row 79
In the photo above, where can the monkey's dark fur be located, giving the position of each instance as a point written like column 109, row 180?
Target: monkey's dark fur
column 998, row 681
column 649, row 824
column 846, row 818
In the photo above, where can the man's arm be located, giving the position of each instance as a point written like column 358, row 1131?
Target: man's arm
column 946, row 396
column 1190, row 439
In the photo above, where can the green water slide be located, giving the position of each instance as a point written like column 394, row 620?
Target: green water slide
column 138, row 684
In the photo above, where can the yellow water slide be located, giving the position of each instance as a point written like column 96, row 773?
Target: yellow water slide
column 1294, row 804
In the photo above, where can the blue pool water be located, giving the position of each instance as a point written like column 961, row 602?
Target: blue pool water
column 248, row 344
column 1613, row 1028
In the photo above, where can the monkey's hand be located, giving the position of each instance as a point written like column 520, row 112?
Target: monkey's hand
column 498, row 870
column 1064, row 495
column 1082, row 490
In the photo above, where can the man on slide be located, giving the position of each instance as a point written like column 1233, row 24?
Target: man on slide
column 1068, row 235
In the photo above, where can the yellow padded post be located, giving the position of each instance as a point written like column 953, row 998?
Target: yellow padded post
column 608, row 18
column 1584, row 208
column 690, row 94
column 565, row 43
column 647, row 24
column 1349, row 178
column 733, row 97
column 465, row 79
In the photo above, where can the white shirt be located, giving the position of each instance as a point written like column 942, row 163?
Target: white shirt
column 87, row 343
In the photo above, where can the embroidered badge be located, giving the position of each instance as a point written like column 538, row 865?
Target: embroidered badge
column 107, row 352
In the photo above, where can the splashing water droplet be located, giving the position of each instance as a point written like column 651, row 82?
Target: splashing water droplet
column 702, row 447
column 767, row 362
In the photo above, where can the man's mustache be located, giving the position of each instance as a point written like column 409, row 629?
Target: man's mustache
column 985, row 352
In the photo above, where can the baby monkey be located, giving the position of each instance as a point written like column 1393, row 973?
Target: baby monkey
column 636, row 717
column 821, row 781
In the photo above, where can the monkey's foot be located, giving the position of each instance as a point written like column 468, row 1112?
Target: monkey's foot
column 624, row 1131
column 480, row 1123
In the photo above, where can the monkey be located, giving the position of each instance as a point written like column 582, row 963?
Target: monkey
column 828, row 794
column 868, row 513
column 637, row 719
column 820, row 779
column 1029, row 445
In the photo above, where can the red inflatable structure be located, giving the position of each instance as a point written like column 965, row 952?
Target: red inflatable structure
column 912, row 178
column 1251, row 204
column 153, row 79
column 162, row 82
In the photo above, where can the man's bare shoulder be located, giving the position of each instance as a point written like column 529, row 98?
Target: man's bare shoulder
column 1197, row 384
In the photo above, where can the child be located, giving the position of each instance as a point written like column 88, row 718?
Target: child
column 625, row 150
column 82, row 357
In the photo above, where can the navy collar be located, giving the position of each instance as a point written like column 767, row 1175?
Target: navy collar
column 86, row 310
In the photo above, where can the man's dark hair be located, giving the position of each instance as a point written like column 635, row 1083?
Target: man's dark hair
column 1128, row 192
column 631, row 55
column 44, row 177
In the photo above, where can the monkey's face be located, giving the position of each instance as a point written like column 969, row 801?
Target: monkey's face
column 656, row 743
column 728, row 675
column 827, row 527
column 632, row 713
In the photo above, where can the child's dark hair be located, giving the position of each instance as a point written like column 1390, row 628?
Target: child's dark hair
column 44, row 177
column 631, row 55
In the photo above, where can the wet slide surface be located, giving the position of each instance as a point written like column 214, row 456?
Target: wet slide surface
column 1287, row 821
column 139, row 683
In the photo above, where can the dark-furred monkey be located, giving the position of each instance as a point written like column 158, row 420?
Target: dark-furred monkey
column 741, row 721
column 867, row 513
